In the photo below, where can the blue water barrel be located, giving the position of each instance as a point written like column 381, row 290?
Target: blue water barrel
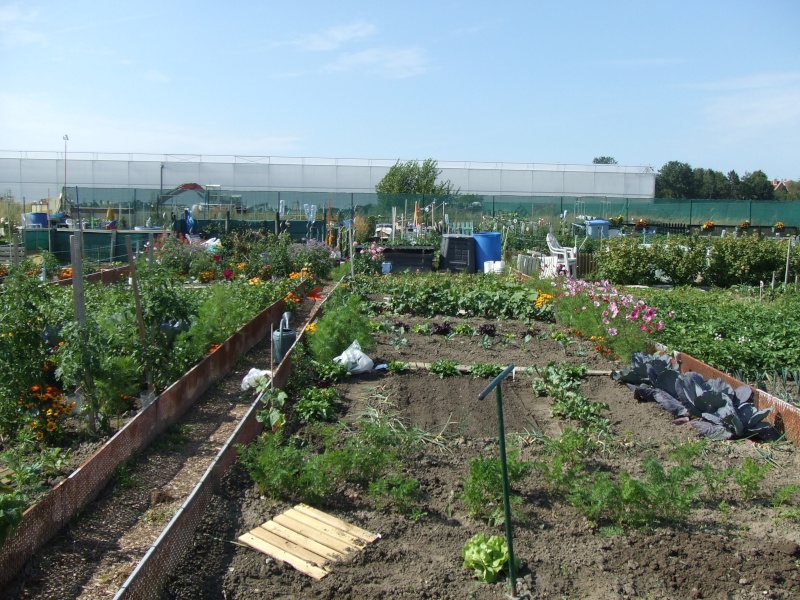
column 37, row 219
column 487, row 247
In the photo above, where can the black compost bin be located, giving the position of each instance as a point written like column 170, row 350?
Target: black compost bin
column 457, row 253
column 418, row 259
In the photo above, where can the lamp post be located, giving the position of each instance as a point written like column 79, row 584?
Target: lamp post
column 66, row 139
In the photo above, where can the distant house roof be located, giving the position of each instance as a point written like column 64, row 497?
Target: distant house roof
column 778, row 184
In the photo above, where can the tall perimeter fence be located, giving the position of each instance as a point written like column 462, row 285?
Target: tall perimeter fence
column 136, row 205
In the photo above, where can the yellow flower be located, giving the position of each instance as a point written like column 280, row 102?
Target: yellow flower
column 241, row 266
column 311, row 327
column 51, row 425
column 40, row 435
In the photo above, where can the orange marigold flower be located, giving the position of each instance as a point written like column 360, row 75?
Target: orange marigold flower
column 40, row 435
column 34, row 388
column 51, row 426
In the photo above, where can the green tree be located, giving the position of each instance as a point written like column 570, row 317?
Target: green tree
column 735, row 185
column 675, row 180
column 412, row 177
column 711, row 184
column 604, row 160
column 756, row 186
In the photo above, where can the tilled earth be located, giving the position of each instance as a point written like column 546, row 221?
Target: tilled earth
column 744, row 551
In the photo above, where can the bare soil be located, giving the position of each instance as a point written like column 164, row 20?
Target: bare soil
column 743, row 553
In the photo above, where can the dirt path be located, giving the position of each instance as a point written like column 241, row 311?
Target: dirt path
column 95, row 553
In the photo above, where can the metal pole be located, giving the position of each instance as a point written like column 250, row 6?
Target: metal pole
column 495, row 384
column 788, row 260
column 66, row 139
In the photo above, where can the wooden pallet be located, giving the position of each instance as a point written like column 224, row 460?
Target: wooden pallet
column 308, row 539
column 5, row 476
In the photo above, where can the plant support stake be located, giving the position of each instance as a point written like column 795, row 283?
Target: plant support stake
column 495, row 385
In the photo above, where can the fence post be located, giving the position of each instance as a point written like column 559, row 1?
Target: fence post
column 495, row 384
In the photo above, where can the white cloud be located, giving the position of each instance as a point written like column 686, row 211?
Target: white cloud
column 759, row 81
column 334, row 38
column 156, row 76
column 389, row 62
column 755, row 112
column 14, row 29
column 37, row 122
column 756, row 107
column 639, row 62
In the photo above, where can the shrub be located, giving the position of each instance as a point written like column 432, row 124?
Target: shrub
column 681, row 260
column 745, row 260
column 624, row 260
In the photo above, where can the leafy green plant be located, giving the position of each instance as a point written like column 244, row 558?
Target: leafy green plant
column 332, row 372
column 316, row 404
column 660, row 495
column 398, row 339
column 422, row 329
column 485, row 370
column 563, row 459
column 12, row 504
column 749, row 478
column 483, row 487
column 785, row 494
column 721, row 412
column 273, row 399
column 395, row 366
column 338, row 327
column 403, row 492
column 464, row 329
column 274, row 466
column 444, row 368
column 486, row 556
column 645, row 369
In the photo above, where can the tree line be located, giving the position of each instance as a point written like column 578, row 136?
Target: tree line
column 679, row 180
column 674, row 180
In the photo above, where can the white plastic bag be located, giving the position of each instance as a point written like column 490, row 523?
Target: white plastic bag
column 354, row 359
column 250, row 379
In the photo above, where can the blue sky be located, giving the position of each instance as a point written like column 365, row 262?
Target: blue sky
column 711, row 83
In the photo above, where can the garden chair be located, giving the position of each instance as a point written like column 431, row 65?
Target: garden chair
column 565, row 256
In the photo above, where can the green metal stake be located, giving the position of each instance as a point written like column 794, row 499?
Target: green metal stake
column 495, row 385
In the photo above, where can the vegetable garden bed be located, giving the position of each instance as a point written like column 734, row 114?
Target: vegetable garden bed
column 721, row 521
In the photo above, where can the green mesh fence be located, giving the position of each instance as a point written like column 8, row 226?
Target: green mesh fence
column 137, row 204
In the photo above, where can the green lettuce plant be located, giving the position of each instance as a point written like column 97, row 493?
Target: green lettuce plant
column 486, row 556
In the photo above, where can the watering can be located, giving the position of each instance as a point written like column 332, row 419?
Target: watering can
column 386, row 268
column 282, row 339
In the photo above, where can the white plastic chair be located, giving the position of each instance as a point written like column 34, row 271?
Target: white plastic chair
column 566, row 256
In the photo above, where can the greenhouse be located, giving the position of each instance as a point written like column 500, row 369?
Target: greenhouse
column 36, row 175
